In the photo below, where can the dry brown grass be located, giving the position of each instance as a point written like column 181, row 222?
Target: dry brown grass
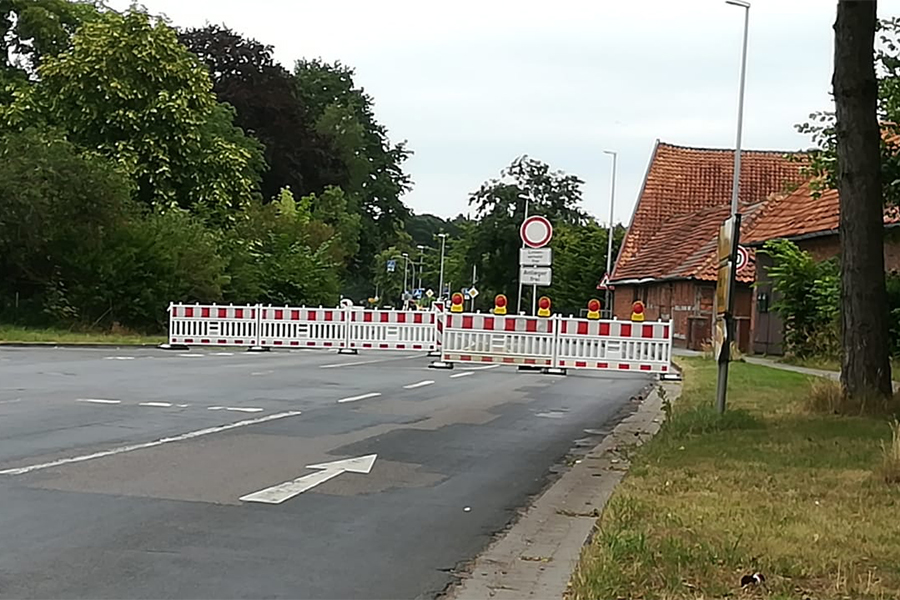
column 826, row 397
column 890, row 460
column 770, row 488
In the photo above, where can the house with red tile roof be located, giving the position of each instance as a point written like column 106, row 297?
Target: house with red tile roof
column 812, row 222
column 668, row 256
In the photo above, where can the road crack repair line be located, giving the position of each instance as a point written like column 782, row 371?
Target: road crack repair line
column 166, row 440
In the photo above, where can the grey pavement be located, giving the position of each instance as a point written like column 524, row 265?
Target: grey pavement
column 121, row 471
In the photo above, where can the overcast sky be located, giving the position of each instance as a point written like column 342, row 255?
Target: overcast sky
column 473, row 84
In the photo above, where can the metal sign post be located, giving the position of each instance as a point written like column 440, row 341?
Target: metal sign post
column 534, row 259
column 729, row 233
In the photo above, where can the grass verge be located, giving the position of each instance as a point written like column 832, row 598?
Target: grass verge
column 769, row 488
column 11, row 334
column 831, row 364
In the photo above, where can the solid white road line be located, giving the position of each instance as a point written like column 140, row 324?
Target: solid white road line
column 484, row 368
column 358, row 398
column 157, row 404
column 236, row 409
column 413, row 386
column 367, row 362
column 131, row 448
column 463, row 374
column 98, row 401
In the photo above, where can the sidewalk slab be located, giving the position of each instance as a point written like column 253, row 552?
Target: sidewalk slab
column 536, row 557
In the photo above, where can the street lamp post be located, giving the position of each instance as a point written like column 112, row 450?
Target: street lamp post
column 443, row 237
column 405, row 272
column 421, row 249
column 609, row 244
column 519, row 301
column 722, row 380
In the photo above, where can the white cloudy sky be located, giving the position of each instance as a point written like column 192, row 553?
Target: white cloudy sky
column 474, row 83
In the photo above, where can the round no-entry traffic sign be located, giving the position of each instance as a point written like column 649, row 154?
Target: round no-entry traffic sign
column 743, row 257
column 536, row 231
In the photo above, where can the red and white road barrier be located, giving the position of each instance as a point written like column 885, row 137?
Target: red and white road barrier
column 343, row 328
column 505, row 339
column 557, row 342
column 614, row 345
column 211, row 325
column 303, row 327
column 392, row 330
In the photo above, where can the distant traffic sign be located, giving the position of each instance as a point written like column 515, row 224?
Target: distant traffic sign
column 536, row 231
column 391, row 266
column 535, row 257
column 743, row 257
column 536, row 275
column 429, row 293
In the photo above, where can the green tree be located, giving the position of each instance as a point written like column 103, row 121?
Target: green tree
column 128, row 88
column 344, row 114
column 269, row 107
column 865, row 368
column 500, row 210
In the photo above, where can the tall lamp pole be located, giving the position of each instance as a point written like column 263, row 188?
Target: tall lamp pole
column 609, row 241
column 722, row 381
column 443, row 237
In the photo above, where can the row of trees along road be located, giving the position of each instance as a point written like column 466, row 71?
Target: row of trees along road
column 141, row 164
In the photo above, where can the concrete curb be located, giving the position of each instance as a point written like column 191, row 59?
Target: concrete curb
column 72, row 345
column 536, row 557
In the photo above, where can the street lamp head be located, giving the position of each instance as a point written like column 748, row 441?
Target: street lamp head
column 420, row 247
column 405, row 255
column 610, row 152
column 741, row 3
column 442, row 235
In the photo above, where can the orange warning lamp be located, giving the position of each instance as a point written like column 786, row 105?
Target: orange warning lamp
column 593, row 309
column 456, row 303
column 544, row 306
column 500, row 303
column 637, row 311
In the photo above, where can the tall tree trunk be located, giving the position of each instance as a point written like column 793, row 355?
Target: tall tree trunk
column 865, row 363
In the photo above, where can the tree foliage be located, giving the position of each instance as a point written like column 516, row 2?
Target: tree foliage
column 153, row 112
column 268, row 107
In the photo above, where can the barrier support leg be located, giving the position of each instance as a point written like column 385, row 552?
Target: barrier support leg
column 348, row 351
column 554, row 371
column 179, row 347
column 440, row 364
column 530, row 368
column 434, row 354
column 258, row 348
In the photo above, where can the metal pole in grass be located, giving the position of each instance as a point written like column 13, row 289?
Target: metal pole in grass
column 735, row 220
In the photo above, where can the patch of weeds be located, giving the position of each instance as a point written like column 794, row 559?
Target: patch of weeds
column 890, row 460
column 703, row 419
column 826, row 396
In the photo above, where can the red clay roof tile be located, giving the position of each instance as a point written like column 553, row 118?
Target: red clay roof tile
column 686, row 196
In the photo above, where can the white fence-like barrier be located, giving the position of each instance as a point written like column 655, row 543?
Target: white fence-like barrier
column 555, row 342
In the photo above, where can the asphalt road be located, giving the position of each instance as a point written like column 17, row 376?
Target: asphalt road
column 122, row 471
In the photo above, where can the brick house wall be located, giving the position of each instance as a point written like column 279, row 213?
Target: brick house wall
column 767, row 326
column 689, row 304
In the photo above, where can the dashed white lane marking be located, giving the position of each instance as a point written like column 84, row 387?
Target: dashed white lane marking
column 463, row 374
column 132, row 447
column 261, row 373
column 236, row 409
column 222, row 354
column 157, row 404
column 186, row 355
column 182, row 405
column 358, row 398
column 119, row 358
column 484, row 368
column 366, row 362
column 98, row 401
column 413, row 386
column 13, row 401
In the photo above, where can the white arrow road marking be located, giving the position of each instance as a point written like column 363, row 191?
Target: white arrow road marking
column 357, row 398
column 98, row 401
column 413, row 386
column 131, row 448
column 463, row 374
column 287, row 490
